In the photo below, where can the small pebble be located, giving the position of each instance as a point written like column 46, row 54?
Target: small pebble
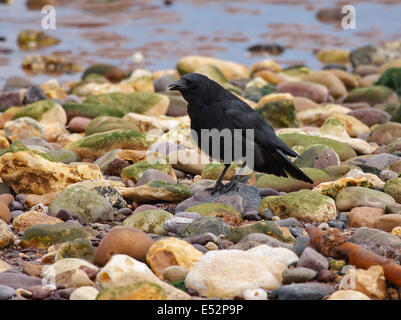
column 252, row 215
column 254, row 294
column 179, row 174
column 16, row 213
column 64, row 215
column 129, row 183
column 342, row 217
column 290, row 222
column 200, row 248
column 296, row 232
column 6, row 292
column 326, row 276
column 268, row 214
column 21, row 198
column 265, row 192
column 15, row 205
column 336, row 224
column 211, row 246
column 125, row 211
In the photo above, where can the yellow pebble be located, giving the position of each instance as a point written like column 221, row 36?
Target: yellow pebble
column 396, row 231
column 211, row 246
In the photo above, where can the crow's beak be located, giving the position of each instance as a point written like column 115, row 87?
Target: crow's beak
column 178, row 85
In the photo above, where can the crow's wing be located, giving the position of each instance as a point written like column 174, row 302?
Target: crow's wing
column 244, row 117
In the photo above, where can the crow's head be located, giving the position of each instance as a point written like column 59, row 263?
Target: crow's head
column 196, row 86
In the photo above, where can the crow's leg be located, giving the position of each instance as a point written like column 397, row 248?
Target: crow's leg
column 218, row 187
column 233, row 185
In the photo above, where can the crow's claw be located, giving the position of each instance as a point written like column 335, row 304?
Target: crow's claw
column 232, row 186
column 218, row 188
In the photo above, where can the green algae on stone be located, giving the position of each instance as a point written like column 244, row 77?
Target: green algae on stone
column 156, row 190
column 223, row 211
column 141, row 290
column 18, row 146
column 42, row 236
column 107, row 123
column 179, row 285
column 63, row 156
column 296, row 71
column 396, row 115
column 86, row 205
column 118, row 104
column 80, row 248
column 266, row 227
column 212, row 171
column 394, row 146
column 172, row 187
column 213, row 225
column 391, row 78
column 215, row 74
column 304, row 205
column 149, row 221
column 279, row 114
column 352, row 197
column 110, row 72
column 98, row 144
column 291, row 184
column 136, row 170
column 393, row 188
column 343, row 150
column 34, row 39
column 334, row 127
column 255, row 93
column 336, row 265
column 35, row 110
column 372, row 95
column 231, row 70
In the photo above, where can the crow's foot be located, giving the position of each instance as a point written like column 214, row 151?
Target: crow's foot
column 231, row 186
column 223, row 188
column 218, row 188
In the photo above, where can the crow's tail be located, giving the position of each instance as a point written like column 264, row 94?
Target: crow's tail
column 292, row 169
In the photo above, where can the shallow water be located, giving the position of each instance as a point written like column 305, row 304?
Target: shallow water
column 104, row 31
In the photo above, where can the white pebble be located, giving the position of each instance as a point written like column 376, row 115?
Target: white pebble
column 138, row 57
column 84, row 293
column 254, row 294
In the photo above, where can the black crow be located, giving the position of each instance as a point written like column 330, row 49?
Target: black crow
column 210, row 106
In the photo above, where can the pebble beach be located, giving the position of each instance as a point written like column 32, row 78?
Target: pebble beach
column 102, row 190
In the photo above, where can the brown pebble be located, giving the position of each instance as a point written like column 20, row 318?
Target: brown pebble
column 78, row 124
column 226, row 243
column 5, row 214
column 145, row 207
column 325, row 276
column 40, row 293
column 90, row 272
column 393, row 294
column 123, row 240
column 31, row 269
column 6, row 198
column 129, row 183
